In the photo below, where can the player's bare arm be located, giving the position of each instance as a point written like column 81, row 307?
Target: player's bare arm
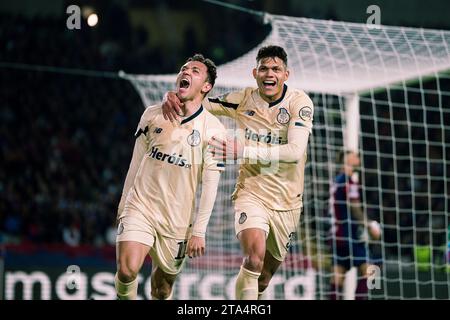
column 372, row 226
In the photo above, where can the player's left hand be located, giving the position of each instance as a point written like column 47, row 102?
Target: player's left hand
column 228, row 149
column 195, row 247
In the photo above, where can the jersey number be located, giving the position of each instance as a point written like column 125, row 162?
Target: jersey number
column 181, row 249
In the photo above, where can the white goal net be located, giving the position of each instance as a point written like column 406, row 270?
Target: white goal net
column 384, row 91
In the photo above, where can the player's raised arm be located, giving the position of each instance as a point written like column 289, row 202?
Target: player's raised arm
column 372, row 226
column 356, row 209
column 227, row 104
column 224, row 105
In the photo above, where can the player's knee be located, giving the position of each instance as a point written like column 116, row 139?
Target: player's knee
column 126, row 273
column 254, row 262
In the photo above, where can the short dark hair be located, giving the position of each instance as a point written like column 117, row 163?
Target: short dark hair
column 210, row 66
column 272, row 52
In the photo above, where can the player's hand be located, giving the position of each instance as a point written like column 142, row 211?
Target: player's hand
column 228, row 149
column 374, row 229
column 171, row 106
column 195, row 247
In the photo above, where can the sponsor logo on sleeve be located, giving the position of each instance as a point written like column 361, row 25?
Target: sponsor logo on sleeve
column 305, row 113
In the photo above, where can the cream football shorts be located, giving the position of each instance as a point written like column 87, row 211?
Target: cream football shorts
column 167, row 253
column 280, row 226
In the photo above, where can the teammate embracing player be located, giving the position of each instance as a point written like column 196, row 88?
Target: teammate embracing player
column 275, row 122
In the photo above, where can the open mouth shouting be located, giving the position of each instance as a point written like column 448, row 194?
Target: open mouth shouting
column 184, row 85
column 269, row 84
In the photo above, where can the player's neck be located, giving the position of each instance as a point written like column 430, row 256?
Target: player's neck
column 190, row 107
column 272, row 98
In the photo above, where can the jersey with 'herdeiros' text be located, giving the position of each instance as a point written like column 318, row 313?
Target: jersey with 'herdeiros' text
column 170, row 171
column 278, row 184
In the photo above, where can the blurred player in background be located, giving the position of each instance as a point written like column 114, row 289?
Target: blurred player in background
column 275, row 122
column 349, row 222
column 156, row 211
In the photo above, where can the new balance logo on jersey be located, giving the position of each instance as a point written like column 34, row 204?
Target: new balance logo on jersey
column 174, row 159
column 250, row 113
column 305, row 113
column 157, row 130
column 140, row 131
column 267, row 138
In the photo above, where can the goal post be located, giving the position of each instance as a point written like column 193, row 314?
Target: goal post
column 352, row 125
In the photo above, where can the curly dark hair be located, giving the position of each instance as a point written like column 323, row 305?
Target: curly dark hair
column 271, row 52
column 210, row 65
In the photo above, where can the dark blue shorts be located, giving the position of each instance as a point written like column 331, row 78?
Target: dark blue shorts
column 344, row 257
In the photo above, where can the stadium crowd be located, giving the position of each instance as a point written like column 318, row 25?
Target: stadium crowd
column 66, row 140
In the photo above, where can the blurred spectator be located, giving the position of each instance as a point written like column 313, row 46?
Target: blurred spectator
column 72, row 235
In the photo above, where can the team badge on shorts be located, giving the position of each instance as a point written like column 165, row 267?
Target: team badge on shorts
column 194, row 138
column 120, row 228
column 242, row 218
column 292, row 236
column 283, row 116
column 305, row 113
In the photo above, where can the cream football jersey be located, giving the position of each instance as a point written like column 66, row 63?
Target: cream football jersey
column 170, row 170
column 278, row 184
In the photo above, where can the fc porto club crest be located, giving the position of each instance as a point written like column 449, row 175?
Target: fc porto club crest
column 194, row 138
column 242, row 218
column 283, row 116
column 120, row 228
